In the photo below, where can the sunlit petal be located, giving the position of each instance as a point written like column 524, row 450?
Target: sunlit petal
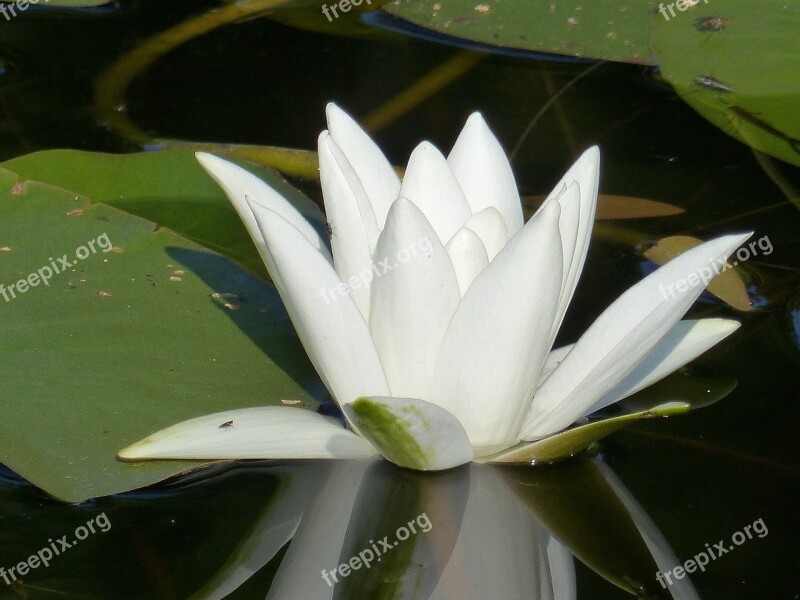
column 375, row 172
column 482, row 169
column 620, row 338
column 497, row 342
column 412, row 301
column 352, row 222
column 260, row 432
column 468, row 256
column 328, row 322
column 489, row 226
column 683, row 343
column 430, row 184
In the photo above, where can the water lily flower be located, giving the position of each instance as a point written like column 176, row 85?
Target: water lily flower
column 431, row 318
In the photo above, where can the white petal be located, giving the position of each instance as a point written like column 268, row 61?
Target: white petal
column 277, row 432
column 412, row 302
column 496, row 345
column 468, row 256
column 352, row 221
column 577, row 195
column 375, row 172
column 554, row 359
column 682, row 344
column 241, row 185
column 430, row 184
column 482, row 169
column 329, row 324
column 619, row 338
column 489, row 226
column 412, row 433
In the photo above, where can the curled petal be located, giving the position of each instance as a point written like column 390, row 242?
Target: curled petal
column 412, row 433
column 354, row 231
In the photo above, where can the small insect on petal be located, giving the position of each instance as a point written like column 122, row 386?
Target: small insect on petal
column 226, row 425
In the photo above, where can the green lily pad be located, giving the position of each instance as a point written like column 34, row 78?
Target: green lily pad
column 736, row 64
column 605, row 29
column 169, row 188
column 124, row 342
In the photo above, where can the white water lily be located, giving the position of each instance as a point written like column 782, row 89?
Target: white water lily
column 432, row 318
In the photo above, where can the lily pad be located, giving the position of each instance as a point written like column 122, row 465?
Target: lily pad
column 604, row 29
column 117, row 344
column 169, row 188
column 736, row 64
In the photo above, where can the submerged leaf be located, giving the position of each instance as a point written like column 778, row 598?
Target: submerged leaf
column 611, row 207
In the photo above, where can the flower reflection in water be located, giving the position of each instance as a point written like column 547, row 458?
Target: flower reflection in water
column 487, row 532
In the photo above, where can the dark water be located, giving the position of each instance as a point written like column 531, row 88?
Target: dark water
column 681, row 483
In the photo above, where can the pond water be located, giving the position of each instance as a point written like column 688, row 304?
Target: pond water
column 644, row 500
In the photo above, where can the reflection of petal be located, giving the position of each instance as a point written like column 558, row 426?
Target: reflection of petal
column 318, row 542
column 276, row 526
column 503, row 551
column 434, row 506
column 681, row 589
column 476, row 541
column 588, row 509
